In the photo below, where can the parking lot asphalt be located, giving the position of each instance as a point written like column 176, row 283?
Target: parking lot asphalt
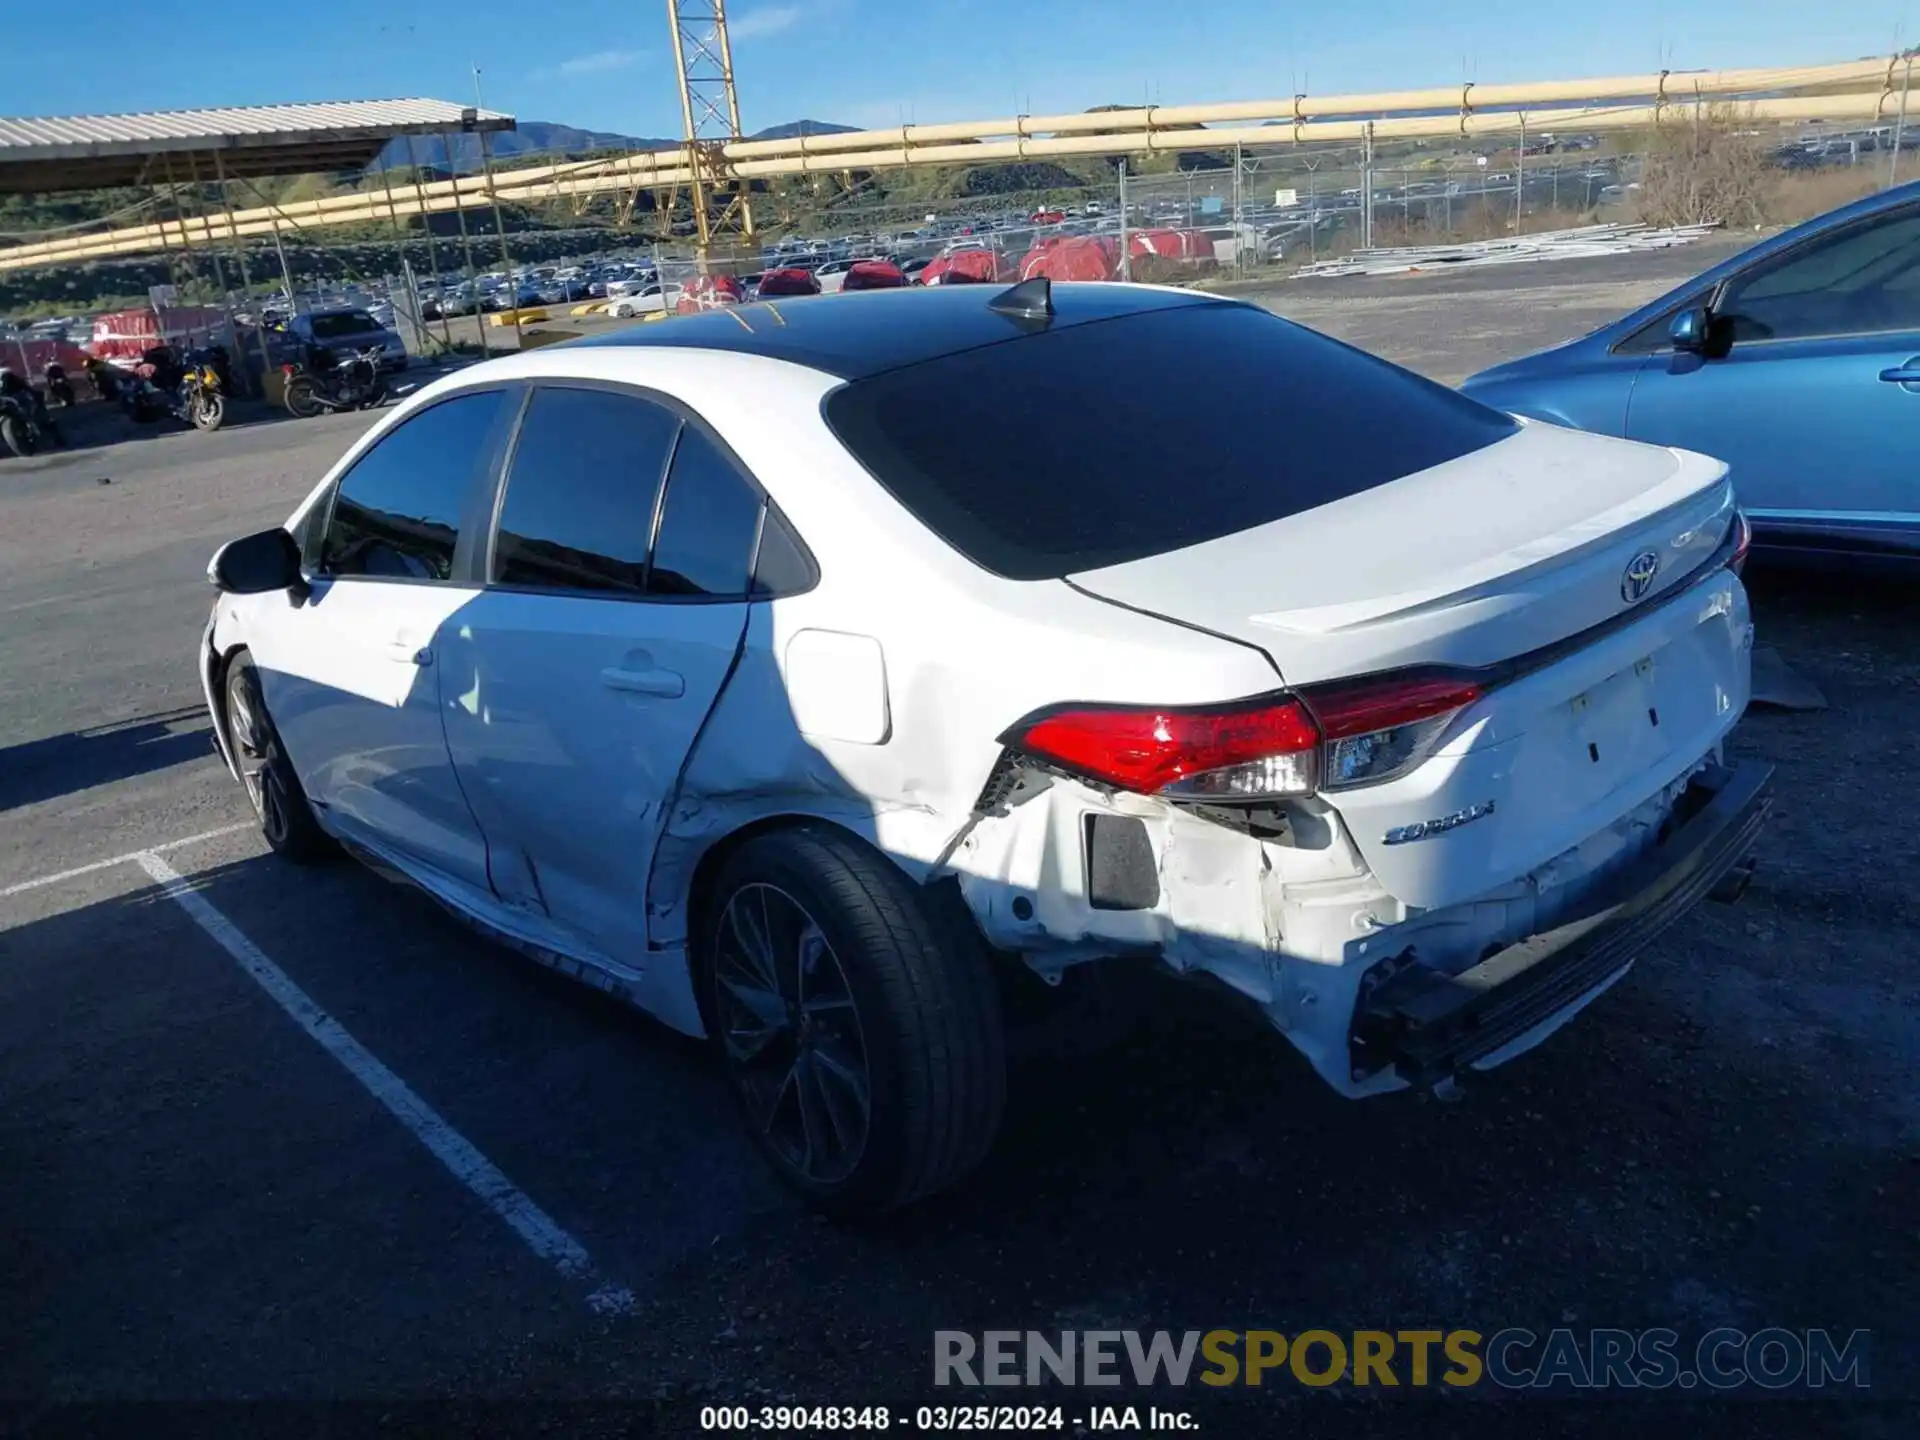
column 276, row 1134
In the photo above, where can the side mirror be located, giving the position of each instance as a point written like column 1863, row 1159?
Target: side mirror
column 258, row 564
column 1689, row 330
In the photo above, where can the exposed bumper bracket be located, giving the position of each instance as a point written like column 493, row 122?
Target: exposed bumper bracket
column 1426, row 1025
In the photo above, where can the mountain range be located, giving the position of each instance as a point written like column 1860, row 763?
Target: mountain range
column 544, row 137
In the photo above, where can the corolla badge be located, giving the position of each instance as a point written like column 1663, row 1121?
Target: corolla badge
column 1439, row 825
column 1637, row 578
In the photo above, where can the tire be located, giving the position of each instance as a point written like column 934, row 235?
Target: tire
column 873, row 1072
column 273, row 789
column 16, row 437
column 376, row 395
column 302, row 398
column 209, row 411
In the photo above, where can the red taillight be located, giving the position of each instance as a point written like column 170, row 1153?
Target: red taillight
column 286, row 369
column 1742, row 542
column 1262, row 747
column 1345, row 710
column 1378, row 729
column 1328, row 737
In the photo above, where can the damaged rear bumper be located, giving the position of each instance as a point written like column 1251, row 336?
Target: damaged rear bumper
column 1424, row 1025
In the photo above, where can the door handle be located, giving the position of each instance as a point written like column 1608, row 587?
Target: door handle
column 408, row 653
column 1907, row 374
column 668, row 683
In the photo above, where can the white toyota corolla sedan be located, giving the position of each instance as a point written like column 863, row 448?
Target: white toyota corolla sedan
column 802, row 672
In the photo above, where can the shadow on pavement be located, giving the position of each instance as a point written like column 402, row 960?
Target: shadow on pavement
column 96, row 425
column 81, row 759
column 205, row 1206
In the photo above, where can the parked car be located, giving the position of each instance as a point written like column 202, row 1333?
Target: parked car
column 833, row 275
column 1796, row 361
column 934, row 731
column 787, row 281
column 348, row 331
column 561, row 290
column 651, row 298
column 708, row 292
column 873, row 275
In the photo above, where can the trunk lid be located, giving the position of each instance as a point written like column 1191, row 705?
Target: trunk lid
column 1494, row 556
column 1497, row 553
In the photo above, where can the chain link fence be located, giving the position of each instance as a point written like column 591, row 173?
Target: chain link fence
column 1250, row 214
column 1261, row 212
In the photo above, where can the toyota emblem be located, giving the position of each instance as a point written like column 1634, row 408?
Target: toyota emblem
column 1637, row 579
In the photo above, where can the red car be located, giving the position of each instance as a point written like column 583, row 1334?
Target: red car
column 709, row 292
column 776, row 284
column 874, row 275
column 966, row 267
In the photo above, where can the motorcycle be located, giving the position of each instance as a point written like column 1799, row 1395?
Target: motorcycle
column 351, row 384
column 192, row 391
column 59, row 388
column 23, row 422
column 147, row 393
column 104, row 378
column 200, row 397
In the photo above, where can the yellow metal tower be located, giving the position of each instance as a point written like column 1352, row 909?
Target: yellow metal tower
column 711, row 108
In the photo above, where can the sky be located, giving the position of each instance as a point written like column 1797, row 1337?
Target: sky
column 602, row 65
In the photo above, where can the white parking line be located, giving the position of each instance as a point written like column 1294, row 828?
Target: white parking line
column 74, row 874
column 542, row 1234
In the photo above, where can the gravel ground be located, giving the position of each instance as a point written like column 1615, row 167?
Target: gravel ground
column 206, row 1208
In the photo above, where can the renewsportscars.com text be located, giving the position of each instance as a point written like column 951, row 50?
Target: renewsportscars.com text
column 1512, row 1358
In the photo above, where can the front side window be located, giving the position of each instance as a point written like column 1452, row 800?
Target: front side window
column 397, row 512
column 1656, row 335
column 1861, row 280
column 581, row 496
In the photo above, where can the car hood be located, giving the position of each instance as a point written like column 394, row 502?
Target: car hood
column 1537, row 365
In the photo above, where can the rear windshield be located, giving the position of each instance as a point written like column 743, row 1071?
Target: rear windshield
column 1099, row 443
column 351, row 322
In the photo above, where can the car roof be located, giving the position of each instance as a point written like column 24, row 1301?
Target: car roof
column 867, row 332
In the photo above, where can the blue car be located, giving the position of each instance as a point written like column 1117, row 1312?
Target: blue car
column 1797, row 362
column 345, row 329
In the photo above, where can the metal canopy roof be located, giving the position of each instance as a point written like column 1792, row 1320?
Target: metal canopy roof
column 87, row 152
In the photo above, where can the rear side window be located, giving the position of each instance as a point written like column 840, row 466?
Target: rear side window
column 396, row 515
column 1099, row 443
column 708, row 523
column 580, row 499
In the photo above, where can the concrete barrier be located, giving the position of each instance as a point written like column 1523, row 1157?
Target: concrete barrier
column 534, row 339
column 516, row 317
